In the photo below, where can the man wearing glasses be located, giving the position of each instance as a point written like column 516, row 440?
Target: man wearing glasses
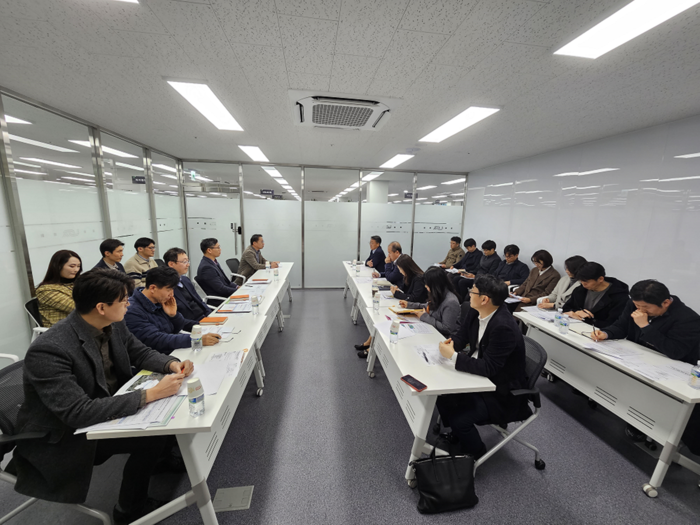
column 189, row 304
column 142, row 261
column 210, row 276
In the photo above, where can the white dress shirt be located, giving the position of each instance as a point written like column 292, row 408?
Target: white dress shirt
column 483, row 323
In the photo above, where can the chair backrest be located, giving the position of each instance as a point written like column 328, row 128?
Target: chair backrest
column 464, row 308
column 11, row 398
column 535, row 359
column 233, row 265
column 198, row 287
column 160, row 262
column 32, row 308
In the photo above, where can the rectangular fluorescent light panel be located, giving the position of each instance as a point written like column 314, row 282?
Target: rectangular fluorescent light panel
column 106, row 149
column 167, row 176
column 426, row 188
column 579, row 173
column 455, row 181
column 75, row 178
column 393, row 195
column 272, row 172
column 371, row 176
column 396, row 160
column 688, row 156
column 629, row 22
column 25, row 164
column 128, row 166
column 204, row 100
column 254, row 153
column 30, row 172
column 81, row 174
column 52, row 163
column 13, row 120
column 164, row 167
column 466, row 118
column 41, row 144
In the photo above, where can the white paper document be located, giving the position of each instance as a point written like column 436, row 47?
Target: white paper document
column 236, row 307
column 211, row 374
column 545, row 315
column 229, row 360
column 157, row 413
column 612, row 349
column 452, row 270
column 363, row 280
column 406, row 329
column 386, row 295
column 513, row 299
column 431, row 354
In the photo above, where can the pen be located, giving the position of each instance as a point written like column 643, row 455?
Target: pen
column 426, row 359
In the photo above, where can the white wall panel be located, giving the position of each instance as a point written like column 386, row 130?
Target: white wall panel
column 639, row 219
column 212, row 218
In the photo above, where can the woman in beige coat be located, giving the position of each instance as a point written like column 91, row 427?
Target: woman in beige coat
column 541, row 281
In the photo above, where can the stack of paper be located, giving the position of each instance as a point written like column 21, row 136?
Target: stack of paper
column 406, row 329
column 431, row 354
column 236, row 307
column 363, row 280
column 153, row 414
column 231, row 361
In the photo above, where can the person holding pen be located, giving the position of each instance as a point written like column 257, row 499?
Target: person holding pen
column 566, row 285
column 599, row 300
column 442, row 309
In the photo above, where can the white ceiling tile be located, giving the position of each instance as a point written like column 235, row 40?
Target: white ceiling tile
column 262, row 65
column 442, row 16
column 353, row 74
column 163, row 54
column 23, row 9
column 307, row 81
column 308, row 44
column 249, row 21
column 326, row 9
column 367, row 26
column 124, row 16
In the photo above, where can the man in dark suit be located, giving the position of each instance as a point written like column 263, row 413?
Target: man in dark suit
column 391, row 272
column 210, row 276
column 70, row 376
column 497, row 351
column 189, row 304
column 112, row 251
column 376, row 255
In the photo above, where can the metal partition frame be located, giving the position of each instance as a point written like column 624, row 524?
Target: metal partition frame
column 9, row 182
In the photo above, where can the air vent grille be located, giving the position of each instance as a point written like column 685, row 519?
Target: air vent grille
column 337, row 115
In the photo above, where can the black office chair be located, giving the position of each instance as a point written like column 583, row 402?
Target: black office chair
column 234, row 265
column 32, row 309
column 535, row 359
column 11, row 399
column 464, row 308
column 160, row 262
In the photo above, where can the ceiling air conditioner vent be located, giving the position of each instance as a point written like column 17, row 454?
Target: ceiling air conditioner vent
column 341, row 113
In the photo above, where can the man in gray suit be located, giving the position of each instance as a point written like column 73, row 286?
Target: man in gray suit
column 252, row 260
column 71, row 373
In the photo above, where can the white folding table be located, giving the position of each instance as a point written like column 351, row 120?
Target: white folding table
column 658, row 408
column 200, row 438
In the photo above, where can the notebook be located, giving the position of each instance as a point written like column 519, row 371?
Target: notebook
column 213, row 320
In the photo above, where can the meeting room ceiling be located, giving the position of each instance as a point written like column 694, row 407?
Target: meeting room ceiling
column 105, row 61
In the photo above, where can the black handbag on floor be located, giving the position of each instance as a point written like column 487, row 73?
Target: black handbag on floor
column 445, row 483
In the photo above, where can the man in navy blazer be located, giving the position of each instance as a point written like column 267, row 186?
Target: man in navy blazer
column 376, row 255
column 189, row 304
column 497, row 351
column 210, row 276
column 391, row 272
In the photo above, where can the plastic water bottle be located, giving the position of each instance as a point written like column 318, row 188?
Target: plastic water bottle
column 375, row 303
column 394, row 331
column 564, row 324
column 196, row 338
column 267, row 266
column 255, row 303
column 357, row 270
column 276, row 274
column 557, row 317
column 354, row 263
column 195, row 397
column 375, row 287
column 694, row 379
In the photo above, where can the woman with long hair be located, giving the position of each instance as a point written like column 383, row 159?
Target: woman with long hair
column 55, row 292
column 442, row 310
column 566, row 285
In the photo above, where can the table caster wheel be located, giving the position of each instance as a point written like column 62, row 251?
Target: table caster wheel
column 371, row 374
column 650, row 445
column 539, row 464
column 649, row 490
column 412, row 483
column 592, row 404
column 259, row 393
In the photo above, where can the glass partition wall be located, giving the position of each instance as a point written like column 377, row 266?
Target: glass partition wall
column 167, row 203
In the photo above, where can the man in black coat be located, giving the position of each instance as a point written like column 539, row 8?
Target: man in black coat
column 376, row 255
column 189, row 303
column 496, row 351
column 210, row 276
column 70, row 376
column 488, row 264
column 599, row 300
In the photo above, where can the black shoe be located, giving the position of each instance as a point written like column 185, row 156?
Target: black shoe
column 362, row 354
column 449, row 437
column 361, row 347
column 634, row 434
column 123, row 518
column 170, row 463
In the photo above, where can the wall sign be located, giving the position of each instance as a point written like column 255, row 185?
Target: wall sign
column 138, row 179
column 267, row 192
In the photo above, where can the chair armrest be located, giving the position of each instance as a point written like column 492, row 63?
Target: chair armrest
column 39, row 329
column 5, row 438
column 513, row 287
column 214, row 297
column 239, row 275
column 11, row 357
column 534, row 392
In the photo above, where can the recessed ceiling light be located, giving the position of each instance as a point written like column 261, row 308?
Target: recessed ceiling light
column 75, row 178
column 30, row 172
column 457, row 194
column 204, row 100
column 254, row 153
column 41, row 144
column 456, row 181
column 408, row 200
column 579, row 173
column 426, row 187
column 272, row 172
column 13, row 120
column 688, row 156
column 165, row 175
column 282, row 182
column 466, row 118
column 128, row 166
column 25, row 164
column 393, row 195
column 51, row 163
column 173, row 186
column 396, row 160
column 164, row 167
column 81, row 174
column 128, row 1
column 286, row 187
column 371, row 176
column 105, row 149
column 422, row 199
column 159, row 183
column 396, row 201
column 629, row 22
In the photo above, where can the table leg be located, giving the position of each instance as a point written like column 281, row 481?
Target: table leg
column 259, row 363
column 371, row 355
column 416, row 451
column 280, row 315
column 355, row 310
column 289, row 292
column 345, row 290
column 259, row 373
column 669, row 452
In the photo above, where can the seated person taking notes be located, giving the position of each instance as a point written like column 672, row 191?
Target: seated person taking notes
column 496, row 351
column 142, row 261
column 210, row 276
column 112, row 251
column 488, row 264
column 189, row 304
column 599, row 300
column 70, row 376
column 566, row 285
column 376, row 255
column 55, row 293
column 442, row 310
column 391, row 272
column 252, row 259
column 467, row 264
column 454, row 254
column 153, row 317
column 541, row 281
column 511, row 270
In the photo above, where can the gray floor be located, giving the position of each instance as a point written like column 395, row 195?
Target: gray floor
column 326, row 444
